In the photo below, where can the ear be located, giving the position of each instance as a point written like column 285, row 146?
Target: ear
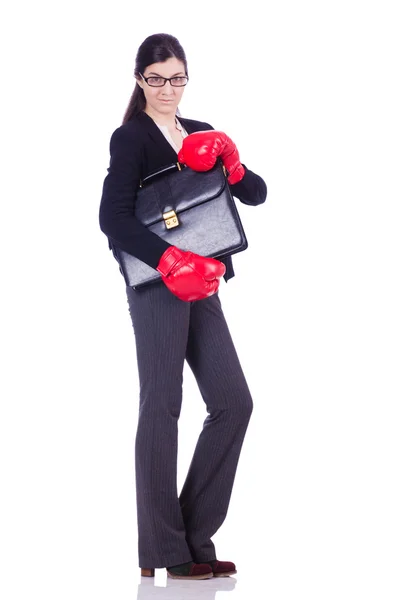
column 139, row 82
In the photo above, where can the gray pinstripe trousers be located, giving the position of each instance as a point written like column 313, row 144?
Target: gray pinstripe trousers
column 167, row 330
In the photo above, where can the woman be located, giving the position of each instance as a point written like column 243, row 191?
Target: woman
column 175, row 319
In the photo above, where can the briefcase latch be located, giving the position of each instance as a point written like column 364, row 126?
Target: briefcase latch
column 170, row 219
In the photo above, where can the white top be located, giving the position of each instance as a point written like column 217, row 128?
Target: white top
column 167, row 135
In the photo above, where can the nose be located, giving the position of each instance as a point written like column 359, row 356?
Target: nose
column 167, row 88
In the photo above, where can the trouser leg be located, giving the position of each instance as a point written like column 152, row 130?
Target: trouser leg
column 161, row 322
column 206, row 493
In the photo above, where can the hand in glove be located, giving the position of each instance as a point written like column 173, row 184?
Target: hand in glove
column 190, row 276
column 201, row 149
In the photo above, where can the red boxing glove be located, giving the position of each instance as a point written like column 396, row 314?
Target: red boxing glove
column 201, row 149
column 190, row 276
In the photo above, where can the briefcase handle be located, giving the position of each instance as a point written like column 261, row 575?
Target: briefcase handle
column 169, row 169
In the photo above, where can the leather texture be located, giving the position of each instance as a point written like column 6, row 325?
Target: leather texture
column 209, row 222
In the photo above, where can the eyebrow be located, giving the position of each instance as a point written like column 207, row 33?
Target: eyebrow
column 179, row 73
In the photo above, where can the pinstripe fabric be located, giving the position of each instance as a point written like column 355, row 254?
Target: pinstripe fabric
column 167, row 330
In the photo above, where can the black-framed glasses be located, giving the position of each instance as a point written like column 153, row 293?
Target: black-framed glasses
column 178, row 81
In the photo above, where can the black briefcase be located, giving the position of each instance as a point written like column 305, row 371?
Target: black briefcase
column 189, row 209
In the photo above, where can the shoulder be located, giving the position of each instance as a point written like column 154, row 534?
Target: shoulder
column 127, row 135
column 130, row 129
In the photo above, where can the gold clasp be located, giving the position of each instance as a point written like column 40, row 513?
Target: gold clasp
column 171, row 219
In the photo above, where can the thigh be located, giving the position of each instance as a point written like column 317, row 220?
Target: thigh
column 213, row 358
column 161, row 324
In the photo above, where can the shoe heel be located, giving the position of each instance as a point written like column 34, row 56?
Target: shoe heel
column 147, row 572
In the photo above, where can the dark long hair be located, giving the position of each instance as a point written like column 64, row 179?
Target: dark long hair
column 155, row 48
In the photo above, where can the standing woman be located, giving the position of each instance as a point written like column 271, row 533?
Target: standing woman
column 177, row 318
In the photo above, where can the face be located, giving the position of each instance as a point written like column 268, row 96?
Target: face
column 163, row 100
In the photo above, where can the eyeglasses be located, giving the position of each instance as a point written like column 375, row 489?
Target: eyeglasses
column 161, row 81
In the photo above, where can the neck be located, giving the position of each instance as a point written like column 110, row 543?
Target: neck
column 161, row 119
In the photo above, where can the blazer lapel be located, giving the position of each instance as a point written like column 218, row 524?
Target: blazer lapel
column 159, row 150
column 160, row 143
column 187, row 125
column 158, row 138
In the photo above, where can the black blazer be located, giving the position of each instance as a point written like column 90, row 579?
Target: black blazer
column 138, row 148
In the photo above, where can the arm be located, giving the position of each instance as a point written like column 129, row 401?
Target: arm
column 251, row 190
column 116, row 218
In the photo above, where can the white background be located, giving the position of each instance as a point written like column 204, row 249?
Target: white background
column 307, row 92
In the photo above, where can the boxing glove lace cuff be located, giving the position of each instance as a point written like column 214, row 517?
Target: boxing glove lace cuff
column 169, row 260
